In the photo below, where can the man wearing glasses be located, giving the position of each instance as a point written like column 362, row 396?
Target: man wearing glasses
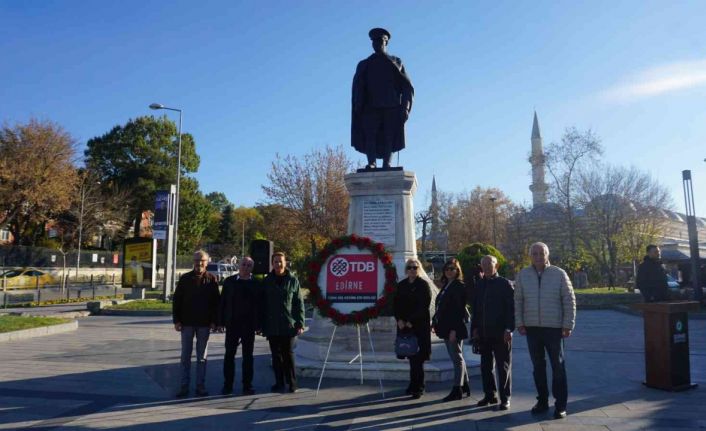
column 195, row 313
column 238, row 314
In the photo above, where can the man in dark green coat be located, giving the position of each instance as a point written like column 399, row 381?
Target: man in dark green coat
column 282, row 320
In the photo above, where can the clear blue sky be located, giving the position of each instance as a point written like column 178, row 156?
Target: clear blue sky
column 259, row 77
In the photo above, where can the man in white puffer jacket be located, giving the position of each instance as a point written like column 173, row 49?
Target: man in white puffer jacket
column 545, row 311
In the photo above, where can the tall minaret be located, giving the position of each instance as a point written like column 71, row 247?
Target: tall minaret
column 538, row 187
column 434, row 210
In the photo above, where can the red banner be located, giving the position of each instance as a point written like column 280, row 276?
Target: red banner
column 352, row 278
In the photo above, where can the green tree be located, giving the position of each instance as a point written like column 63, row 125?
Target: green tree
column 226, row 231
column 218, row 200
column 37, row 177
column 141, row 156
column 194, row 213
column 470, row 257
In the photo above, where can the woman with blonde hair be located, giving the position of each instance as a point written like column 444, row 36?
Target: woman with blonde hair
column 411, row 308
column 450, row 319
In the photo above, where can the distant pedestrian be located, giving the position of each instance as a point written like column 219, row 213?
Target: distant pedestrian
column 492, row 325
column 411, row 308
column 545, row 311
column 651, row 277
column 238, row 315
column 450, row 324
column 195, row 313
column 282, row 320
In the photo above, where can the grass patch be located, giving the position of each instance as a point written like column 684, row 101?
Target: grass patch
column 143, row 305
column 17, row 323
column 61, row 301
column 600, row 291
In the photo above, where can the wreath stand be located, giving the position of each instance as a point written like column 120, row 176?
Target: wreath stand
column 358, row 357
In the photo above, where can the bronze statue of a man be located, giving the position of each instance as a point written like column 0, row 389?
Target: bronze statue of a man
column 382, row 99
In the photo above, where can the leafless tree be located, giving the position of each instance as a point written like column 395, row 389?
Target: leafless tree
column 313, row 187
column 565, row 160
column 622, row 213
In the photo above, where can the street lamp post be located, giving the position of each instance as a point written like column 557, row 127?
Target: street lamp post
column 158, row 106
column 495, row 240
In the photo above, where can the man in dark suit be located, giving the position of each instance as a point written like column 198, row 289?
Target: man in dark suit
column 238, row 315
column 382, row 99
column 492, row 325
column 651, row 278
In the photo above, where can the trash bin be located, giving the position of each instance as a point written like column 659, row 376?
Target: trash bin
column 667, row 344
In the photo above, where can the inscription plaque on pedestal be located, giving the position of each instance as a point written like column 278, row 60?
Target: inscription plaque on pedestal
column 379, row 221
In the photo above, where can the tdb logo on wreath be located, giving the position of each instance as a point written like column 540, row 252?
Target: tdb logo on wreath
column 352, row 278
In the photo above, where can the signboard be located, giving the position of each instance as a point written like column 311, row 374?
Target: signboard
column 161, row 215
column 139, row 260
column 352, row 279
column 379, row 221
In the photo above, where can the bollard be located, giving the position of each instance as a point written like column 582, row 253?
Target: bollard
column 39, row 297
column 91, row 280
column 79, row 293
column 94, row 292
column 4, row 299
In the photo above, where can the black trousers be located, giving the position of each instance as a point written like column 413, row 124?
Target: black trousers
column 416, row 373
column 282, row 348
column 235, row 336
column 496, row 354
column 549, row 340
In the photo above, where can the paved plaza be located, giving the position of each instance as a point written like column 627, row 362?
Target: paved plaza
column 121, row 373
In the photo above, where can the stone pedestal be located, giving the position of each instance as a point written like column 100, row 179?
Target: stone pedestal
column 382, row 208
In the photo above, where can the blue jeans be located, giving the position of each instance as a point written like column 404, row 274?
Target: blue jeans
column 187, row 345
column 549, row 340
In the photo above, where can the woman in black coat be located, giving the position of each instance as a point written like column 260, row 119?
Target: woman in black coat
column 411, row 306
column 450, row 321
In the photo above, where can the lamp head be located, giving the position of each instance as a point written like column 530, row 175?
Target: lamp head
column 156, row 106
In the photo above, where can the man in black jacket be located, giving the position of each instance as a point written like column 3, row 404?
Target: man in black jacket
column 238, row 314
column 651, row 278
column 491, row 326
column 195, row 313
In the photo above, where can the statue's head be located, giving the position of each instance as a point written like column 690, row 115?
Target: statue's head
column 380, row 38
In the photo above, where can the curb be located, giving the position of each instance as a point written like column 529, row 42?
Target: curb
column 146, row 313
column 39, row 332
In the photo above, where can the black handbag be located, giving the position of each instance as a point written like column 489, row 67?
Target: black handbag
column 406, row 345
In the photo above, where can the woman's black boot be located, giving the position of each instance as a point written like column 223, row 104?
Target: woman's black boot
column 454, row 395
column 466, row 388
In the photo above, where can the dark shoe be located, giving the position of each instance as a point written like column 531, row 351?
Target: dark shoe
column 540, row 407
column 505, row 405
column 227, row 390
column 183, row 392
column 417, row 395
column 487, row 401
column 248, row 390
column 201, row 392
column 277, row 387
column 466, row 388
column 293, row 389
column 454, row 395
column 370, row 167
column 559, row 414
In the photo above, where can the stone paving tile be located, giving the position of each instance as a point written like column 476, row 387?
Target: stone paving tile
column 122, row 372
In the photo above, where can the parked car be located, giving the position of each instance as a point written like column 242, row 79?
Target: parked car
column 221, row 270
column 26, row 278
column 672, row 282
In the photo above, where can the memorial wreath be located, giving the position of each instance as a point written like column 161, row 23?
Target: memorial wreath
column 325, row 307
